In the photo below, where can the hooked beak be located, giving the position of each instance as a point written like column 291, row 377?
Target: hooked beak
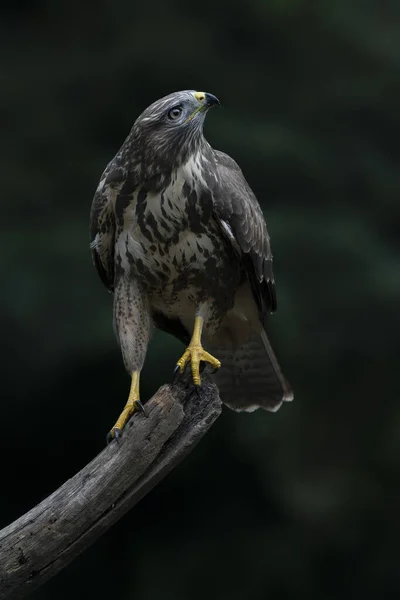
column 206, row 101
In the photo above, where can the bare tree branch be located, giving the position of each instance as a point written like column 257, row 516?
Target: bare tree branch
column 43, row 541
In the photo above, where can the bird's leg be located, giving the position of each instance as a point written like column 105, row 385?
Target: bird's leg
column 132, row 326
column 195, row 353
column 133, row 405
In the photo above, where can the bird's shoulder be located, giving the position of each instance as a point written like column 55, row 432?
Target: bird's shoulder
column 243, row 222
column 236, row 200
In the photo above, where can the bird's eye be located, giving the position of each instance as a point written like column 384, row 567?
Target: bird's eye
column 174, row 113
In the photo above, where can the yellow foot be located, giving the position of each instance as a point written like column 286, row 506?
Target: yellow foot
column 130, row 408
column 133, row 405
column 195, row 353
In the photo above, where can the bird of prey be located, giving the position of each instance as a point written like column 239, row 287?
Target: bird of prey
column 179, row 238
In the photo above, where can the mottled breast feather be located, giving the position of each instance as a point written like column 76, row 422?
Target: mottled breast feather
column 241, row 216
column 141, row 167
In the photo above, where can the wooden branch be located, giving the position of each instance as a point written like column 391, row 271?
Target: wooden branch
column 43, row 541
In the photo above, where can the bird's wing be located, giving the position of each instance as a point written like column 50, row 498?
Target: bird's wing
column 242, row 222
column 103, row 222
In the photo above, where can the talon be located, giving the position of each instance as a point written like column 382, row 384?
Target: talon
column 133, row 404
column 142, row 409
column 114, row 434
column 184, row 359
column 175, row 376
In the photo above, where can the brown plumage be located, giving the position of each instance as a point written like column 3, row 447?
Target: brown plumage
column 178, row 236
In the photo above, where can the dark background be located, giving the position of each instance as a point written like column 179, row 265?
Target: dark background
column 303, row 503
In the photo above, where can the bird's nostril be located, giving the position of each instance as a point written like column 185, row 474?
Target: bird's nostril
column 200, row 96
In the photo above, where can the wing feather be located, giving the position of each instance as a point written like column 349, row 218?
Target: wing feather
column 103, row 224
column 239, row 212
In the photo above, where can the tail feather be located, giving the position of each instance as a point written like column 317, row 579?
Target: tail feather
column 250, row 377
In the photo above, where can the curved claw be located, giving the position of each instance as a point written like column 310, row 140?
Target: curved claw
column 114, row 434
column 176, row 374
column 139, row 406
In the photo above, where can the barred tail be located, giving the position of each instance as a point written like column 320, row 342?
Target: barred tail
column 251, row 378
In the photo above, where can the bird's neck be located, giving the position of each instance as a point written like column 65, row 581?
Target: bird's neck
column 153, row 165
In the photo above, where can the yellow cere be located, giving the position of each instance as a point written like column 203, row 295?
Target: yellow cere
column 200, row 96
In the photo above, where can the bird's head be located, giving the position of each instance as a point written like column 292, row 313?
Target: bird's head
column 171, row 129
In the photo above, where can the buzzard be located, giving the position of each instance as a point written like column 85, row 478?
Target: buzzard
column 179, row 238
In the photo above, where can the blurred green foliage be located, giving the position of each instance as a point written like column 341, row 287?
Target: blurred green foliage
column 303, row 503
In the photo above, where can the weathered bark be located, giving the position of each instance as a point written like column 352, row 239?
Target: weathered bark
column 43, row 541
